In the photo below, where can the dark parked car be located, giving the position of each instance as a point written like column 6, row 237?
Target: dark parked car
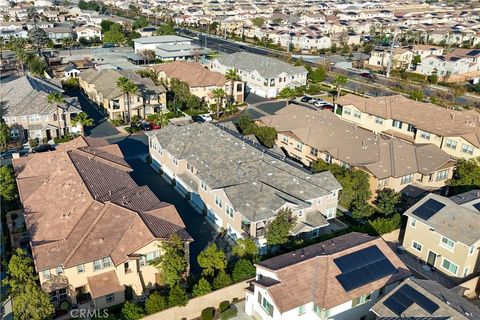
column 306, row 99
column 198, row 119
column 367, row 75
column 145, row 126
column 43, row 148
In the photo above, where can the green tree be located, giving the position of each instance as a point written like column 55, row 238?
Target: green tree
column 339, row 82
column 233, row 76
column 416, row 60
column 387, row 201
column 18, row 46
column 39, row 39
column 417, row 95
column 84, row 120
column 37, row 66
column 287, row 94
column 433, row 78
column 279, row 229
column 172, row 263
column 177, row 297
column 246, row 124
column 140, row 22
column 32, row 303
column 466, row 176
column 165, row 29
column 222, row 280
column 20, row 270
column 212, row 259
column 57, row 99
column 318, row 75
column 356, row 187
column 218, row 94
column 132, row 36
column 159, row 119
column 115, row 35
column 127, row 87
column 266, row 135
column 4, row 134
column 245, row 248
column 68, row 43
column 258, row 22
column 367, row 48
column 8, row 185
column 202, row 287
column 132, row 311
column 361, row 209
column 105, row 25
column 243, row 270
column 155, row 303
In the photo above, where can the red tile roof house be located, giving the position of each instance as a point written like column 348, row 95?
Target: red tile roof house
column 93, row 230
column 336, row 279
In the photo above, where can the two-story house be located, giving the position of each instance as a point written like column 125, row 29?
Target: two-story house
column 336, row 279
column 308, row 135
column 93, row 231
column 401, row 58
column 88, row 33
column 263, row 76
column 444, row 232
column 455, row 132
column 424, row 299
column 29, row 114
column 101, row 87
column 238, row 186
column 201, row 81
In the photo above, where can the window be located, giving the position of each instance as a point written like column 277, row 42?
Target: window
column 361, row 300
column 322, row 313
column 449, row 266
column 410, row 128
column 347, row 111
column 151, row 256
column 467, row 149
column 300, row 213
column 397, row 124
column 451, row 144
column 126, row 266
column 189, row 167
column 102, row 263
column 442, row 175
column 218, row 201
column 471, row 249
column 46, row 274
column 15, row 133
column 406, row 179
column 59, row 270
column 203, row 186
column 301, row 310
column 319, row 201
column 229, row 211
column 174, row 161
column 465, row 271
column 314, row 152
column 417, row 246
column 447, row 243
column 328, row 158
column 97, row 265
column 425, row 135
column 378, row 120
column 413, row 223
column 330, row 213
column 109, row 298
column 285, row 139
column 299, row 146
column 267, row 306
column 80, row 268
column 107, row 262
column 334, row 193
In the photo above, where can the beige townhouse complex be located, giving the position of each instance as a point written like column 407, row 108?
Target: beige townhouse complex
column 29, row 114
column 307, row 135
column 240, row 187
column 200, row 80
column 424, row 299
column 455, row 132
column 336, row 279
column 444, row 232
column 93, row 230
column 101, row 87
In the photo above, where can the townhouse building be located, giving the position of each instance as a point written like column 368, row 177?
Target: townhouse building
column 309, row 135
column 400, row 59
column 101, row 87
column 59, row 33
column 425, row 299
column 336, row 279
column 29, row 114
column 88, row 33
column 201, row 81
column 455, row 132
column 264, row 76
column 443, row 232
column 93, row 231
column 169, row 48
column 239, row 187
column 424, row 50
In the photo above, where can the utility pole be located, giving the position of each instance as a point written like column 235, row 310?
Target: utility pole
column 289, row 37
column 390, row 58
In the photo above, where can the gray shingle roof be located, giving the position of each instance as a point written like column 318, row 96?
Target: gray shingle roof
column 255, row 183
column 267, row 67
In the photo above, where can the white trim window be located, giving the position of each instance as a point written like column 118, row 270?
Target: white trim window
column 406, row 179
column 46, row 274
column 468, row 149
column 218, row 201
column 330, row 213
column 229, row 211
column 425, row 135
column 447, row 243
column 59, row 270
column 203, row 185
column 417, row 246
column 465, row 271
column 109, row 298
column 347, row 111
column 357, row 114
column 452, row 144
column 449, row 266
column 378, row 120
column 471, row 249
column 102, row 263
column 397, row 124
column 413, row 222
column 442, row 175
column 80, row 268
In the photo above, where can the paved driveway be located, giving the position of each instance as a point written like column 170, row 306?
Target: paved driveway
column 102, row 127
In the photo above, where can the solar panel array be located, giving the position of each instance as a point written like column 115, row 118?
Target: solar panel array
column 404, row 297
column 427, row 209
column 362, row 267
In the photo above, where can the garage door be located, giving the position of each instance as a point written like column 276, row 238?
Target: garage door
column 214, row 218
column 181, row 186
column 260, row 92
column 196, row 200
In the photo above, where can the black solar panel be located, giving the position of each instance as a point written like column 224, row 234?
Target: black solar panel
column 362, row 267
column 404, row 297
column 473, row 53
column 428, row 209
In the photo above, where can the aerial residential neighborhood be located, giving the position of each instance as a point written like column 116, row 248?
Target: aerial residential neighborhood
column 245, row 160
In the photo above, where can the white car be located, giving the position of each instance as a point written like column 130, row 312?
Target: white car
column 207, row 117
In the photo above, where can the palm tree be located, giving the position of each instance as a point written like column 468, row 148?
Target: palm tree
column 84, row 120
column 218, row 94
column 233, row 76
column 127, row 87
column 68, row 43
column 287, row 94
column 159, row 119
column 338, row 82
column 57, row 99
column 18, row 46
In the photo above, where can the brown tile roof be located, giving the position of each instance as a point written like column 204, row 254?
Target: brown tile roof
column 424, row 116
column 79, row 207
column 104, row 283
column 192, row 73
column 309, row 274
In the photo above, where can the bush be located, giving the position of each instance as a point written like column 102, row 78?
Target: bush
column 228, row 314
column 243, row 270
column 224, row 305
column 70, row 84
column 118, row 122
column 177, row 297
column 266, row 136
column 63, row 139
column 386, row 225
column 207, row 313
column 155, row 303
column 132, row 129
column 33, row 142
column 131, row 311
column 222, row 280
column 201, row 288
